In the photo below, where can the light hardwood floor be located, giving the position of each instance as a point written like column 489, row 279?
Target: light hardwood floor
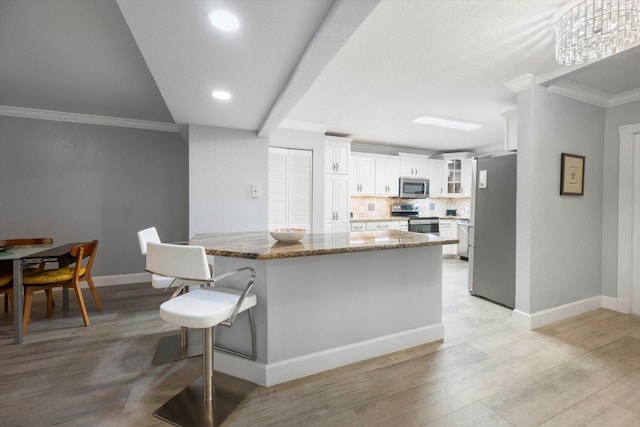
column 488, row 371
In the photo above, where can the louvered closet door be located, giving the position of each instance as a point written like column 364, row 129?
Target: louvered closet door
column 299, row 183
column 290, row 188
column 277, row 188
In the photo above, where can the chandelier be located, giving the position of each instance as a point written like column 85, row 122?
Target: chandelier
column 589, row 30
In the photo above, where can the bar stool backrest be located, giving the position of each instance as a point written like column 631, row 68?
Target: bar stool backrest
column 147, row 235
column 179, row 261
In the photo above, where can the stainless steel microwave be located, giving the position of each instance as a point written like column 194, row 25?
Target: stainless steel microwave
column 413, row 188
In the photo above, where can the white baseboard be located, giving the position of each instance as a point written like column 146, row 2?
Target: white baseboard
column 622, row 306
column 275, row 373
column 121, row 279
column 546, row 317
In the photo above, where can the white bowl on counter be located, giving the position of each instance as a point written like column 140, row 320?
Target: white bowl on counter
column 288, row 234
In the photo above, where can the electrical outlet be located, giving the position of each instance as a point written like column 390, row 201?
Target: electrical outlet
column 372, row 206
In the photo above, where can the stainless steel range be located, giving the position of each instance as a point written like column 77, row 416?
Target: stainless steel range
column 417, row 224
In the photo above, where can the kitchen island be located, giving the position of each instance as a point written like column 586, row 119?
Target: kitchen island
column 330, row 299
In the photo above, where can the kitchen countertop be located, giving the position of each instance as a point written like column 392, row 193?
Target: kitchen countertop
column 260, row 245
column 454, row 217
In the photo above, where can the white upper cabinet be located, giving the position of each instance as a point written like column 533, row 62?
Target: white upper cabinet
column 362, row 174
column 337, row 154
column 453, row 176
column 457, row 175
column 414, row 165
column 387, row 172
column 510, row 130
column 466, row 177
column 435, row 174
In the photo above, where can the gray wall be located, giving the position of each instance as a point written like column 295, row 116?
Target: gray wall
column 78, row 182
column 223, row 164
column 614, row 118
column 559, row 253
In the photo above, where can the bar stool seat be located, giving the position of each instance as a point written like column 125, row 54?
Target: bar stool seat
column 205, row 307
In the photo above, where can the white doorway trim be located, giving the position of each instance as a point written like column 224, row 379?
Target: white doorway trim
column 628, row 220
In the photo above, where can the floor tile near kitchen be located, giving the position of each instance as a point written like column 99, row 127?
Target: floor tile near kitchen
column 488, row 371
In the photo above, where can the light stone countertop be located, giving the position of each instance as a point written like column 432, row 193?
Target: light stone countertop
column 260, row 245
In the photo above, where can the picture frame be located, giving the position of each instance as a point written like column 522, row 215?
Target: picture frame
column 572, row 175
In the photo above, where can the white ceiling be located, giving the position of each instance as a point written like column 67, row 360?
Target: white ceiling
column 355, row 67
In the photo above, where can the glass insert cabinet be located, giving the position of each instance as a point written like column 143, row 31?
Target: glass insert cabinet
column 454, row 176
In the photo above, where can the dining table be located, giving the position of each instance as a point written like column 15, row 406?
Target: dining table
column 24, row 256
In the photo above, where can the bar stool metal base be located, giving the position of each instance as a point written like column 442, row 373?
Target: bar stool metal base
column 170, row 350
column 188, row 408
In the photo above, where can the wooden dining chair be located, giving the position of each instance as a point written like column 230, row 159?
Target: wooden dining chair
column 66, row 277
column 6, row 272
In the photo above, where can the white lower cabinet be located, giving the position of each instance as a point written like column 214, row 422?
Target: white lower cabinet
column 358, row 226
column 382, row 225
column 379, row 225
column 449, row 230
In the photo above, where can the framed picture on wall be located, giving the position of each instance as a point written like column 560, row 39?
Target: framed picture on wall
column 572, row 175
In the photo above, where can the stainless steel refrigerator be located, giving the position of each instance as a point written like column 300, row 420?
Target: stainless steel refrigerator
column 492, row 229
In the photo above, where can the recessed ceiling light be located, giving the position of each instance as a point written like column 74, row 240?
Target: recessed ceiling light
column 224, row 20
column 445, row 122
column 221, row 95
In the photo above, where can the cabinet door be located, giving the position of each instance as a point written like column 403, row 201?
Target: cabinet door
column 406, row 166
column 330, row 157
column 466, row 177
column 386, row 176
column 453, row 170
column 342, row 155
column 336, row 202
column 421, row 166
column 362, row 171
column 329, row 197
column 336, row 156
column 435, row 175
column 413, row 165
column 341, row 200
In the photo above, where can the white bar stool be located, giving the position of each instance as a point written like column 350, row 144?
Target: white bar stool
column 202, row 403
column 173, row 347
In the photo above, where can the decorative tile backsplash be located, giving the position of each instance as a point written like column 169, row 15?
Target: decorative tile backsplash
column 364, row 207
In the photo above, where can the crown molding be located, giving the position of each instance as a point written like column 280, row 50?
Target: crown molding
column 581, row 93
column 592, row 96
column 60, row 116
column 520, row 83
column 624, row 98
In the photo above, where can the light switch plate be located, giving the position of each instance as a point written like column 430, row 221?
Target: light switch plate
column 255, row 191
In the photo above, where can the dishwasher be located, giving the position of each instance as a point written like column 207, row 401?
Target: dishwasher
column 463, row 237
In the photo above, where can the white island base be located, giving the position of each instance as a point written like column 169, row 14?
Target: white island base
column 316, row 313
